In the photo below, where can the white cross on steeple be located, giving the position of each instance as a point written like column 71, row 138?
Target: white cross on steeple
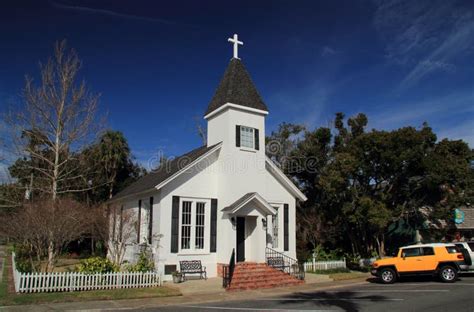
column 236, row 43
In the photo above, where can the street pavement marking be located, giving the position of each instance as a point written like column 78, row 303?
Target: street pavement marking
column 248, row 309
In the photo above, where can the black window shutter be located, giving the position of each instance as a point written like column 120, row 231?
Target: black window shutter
column 285, row 228
column 150, row 221
column 175, row 224
column 257, row 142
column 213, row 246
column 139, row 220
column 237, row 135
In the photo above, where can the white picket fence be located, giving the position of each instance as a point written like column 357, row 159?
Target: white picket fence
column 73, row 281
column 324, row 265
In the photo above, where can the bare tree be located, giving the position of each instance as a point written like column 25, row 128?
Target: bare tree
column 201, row 130
column 121, row 231
column 58, row 117
column 46, row 227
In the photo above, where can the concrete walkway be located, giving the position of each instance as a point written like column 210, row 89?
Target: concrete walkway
column 205, row 291
column 190, row 287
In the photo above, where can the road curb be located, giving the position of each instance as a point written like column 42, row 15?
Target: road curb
column 132, row 304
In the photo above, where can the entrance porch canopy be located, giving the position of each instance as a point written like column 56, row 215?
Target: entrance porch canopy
column 254, row 198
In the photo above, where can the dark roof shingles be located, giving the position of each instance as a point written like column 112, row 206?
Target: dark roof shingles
column 236, row 87
column 165, row 171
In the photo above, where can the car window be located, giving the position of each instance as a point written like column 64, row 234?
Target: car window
column 428, row 251
column 411, row 252
column 471, row 245
column 452, row 249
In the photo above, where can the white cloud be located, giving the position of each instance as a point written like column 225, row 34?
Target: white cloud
column 328, row 51
column 425, row 36
column 111, row 13
column 435, row 108
column 305, row 104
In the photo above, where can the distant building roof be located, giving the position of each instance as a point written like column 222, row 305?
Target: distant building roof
column 236, row 87
column 165, row 171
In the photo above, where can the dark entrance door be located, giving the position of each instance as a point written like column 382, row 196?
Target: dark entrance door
column 240, row 239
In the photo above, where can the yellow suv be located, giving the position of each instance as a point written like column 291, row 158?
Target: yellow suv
column 441, row 260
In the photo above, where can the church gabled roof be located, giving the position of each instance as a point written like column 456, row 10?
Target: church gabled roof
column 254, row 197
column 236, row 87
column 164, row 172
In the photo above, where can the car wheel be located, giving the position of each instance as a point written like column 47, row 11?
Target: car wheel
column 387, row 275
column 448, row 274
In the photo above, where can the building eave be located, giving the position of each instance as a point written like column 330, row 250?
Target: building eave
column 236, row 106
column 254, row 197
column 285, row 180
column 190, row 165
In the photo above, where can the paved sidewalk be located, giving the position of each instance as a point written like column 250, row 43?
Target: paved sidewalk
column 214, row 285
column 189, row 298
column 196, row 287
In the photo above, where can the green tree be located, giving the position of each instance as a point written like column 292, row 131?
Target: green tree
column 360, row 184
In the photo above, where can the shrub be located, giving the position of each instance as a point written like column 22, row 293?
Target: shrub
column 96, row 265
column 323, row 255
column 144, row 264
column 23, row 259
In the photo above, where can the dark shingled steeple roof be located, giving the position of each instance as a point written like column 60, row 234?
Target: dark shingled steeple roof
column 236, row 87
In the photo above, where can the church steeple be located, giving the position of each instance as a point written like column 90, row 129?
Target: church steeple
column 236, row 87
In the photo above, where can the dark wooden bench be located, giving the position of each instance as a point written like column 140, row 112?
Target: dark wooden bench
column 277, row 263
column 192, row 267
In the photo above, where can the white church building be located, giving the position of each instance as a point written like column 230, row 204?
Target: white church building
column 222, row 198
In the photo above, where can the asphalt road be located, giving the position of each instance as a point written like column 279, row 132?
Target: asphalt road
column 409, row 295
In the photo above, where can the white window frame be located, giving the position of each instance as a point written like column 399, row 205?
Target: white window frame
column 279, row 208
column 207, row 225
column 276, row 243
column 245, row 129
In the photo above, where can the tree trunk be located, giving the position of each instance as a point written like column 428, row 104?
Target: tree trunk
column 380, row 240
column 51, row 257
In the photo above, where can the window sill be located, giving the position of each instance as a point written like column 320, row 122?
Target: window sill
column 248, row 149
column 193, row 253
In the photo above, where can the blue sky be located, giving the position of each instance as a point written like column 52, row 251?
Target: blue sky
column 157, row 63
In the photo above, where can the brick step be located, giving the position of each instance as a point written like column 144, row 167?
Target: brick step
column 260, row 275
column 236, row 287
column 257, row 274
column 265, row 283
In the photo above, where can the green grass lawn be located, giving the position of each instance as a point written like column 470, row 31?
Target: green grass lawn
column 347, row 276
column 341, row 274
column 7, row 298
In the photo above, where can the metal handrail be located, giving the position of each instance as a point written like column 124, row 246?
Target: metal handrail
column 228, row 271
column 284, row 263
